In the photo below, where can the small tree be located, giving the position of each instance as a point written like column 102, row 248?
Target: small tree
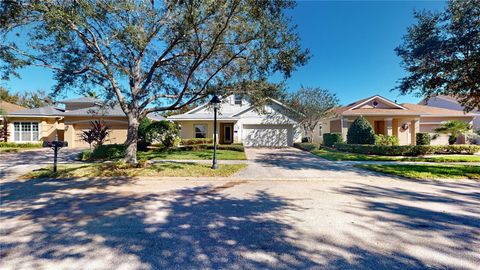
column 361, row 132
column 314, row 104
column 88, row 136
column 143, row 140
column 454, row 128
column 4, row 133
column 97, row 134
column 164, row 132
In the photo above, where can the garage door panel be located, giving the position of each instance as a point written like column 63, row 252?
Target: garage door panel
column 267, row 136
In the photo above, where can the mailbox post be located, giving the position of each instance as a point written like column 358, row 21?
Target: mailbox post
column 55, row 145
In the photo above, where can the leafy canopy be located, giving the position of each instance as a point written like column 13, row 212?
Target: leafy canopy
column 313, row 104
column 441, row 54
column 150, row 55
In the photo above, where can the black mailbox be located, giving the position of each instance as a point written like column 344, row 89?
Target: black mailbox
column 55, row 145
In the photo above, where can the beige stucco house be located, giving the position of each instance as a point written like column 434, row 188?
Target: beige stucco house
column 448, row 102
column 66, row 121
column 389, row 118
column 274, row 125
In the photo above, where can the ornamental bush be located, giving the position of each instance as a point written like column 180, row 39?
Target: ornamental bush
column 381, row 139
column 423, row 138
column 196, row 141
column 408, row 150
column 361, row 132
column 330, row 139
column 306, row 146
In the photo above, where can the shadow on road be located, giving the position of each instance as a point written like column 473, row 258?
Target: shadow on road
column 75, row 222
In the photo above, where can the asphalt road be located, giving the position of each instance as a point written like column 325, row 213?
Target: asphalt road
column 369, row 222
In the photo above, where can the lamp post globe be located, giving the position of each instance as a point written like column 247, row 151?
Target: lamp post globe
column 215, row 101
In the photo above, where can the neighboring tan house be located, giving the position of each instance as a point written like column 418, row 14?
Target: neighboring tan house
column 448, row 102
column 239, row 122
column 7, row 107
column 389, row 118
column 67, row 122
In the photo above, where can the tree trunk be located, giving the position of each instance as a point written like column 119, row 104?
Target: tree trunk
column 131, row 142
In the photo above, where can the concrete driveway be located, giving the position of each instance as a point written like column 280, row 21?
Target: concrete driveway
column 122, row 223
column 16, row 163
column 292, row 163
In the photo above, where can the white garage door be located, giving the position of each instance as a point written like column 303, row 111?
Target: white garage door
column 267, row 135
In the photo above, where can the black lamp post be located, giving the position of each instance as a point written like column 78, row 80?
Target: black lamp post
column 215, row 101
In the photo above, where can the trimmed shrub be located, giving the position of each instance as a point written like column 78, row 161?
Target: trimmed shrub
column 360, row 132
column 306, row 146
column 108, row 151
column 164, row 132
column 233, row 147
column 85, row 155
column 20, row 145
column 330, row 139
column 423, row 138
column 407, row 150
column 196, row 141
column 381, row 139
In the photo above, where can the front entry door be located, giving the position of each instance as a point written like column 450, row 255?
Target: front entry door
column 227, row 134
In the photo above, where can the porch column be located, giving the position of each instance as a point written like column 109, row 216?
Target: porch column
column 344, row 126
column 388, row 126
column 414, row 129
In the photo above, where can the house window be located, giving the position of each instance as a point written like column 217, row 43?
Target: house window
column 25, row 131
column 238, row 99
column 200, row 131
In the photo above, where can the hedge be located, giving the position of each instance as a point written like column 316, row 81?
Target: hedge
column 196, row 141
column 423, row 138
column 330, row 139
column 20, row 145
column 306, row 146
column 407, row 150
column 195, row 147
column 108, row 151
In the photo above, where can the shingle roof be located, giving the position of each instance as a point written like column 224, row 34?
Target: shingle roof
column 201, row 116
column 10, row 107
column 97, row 110
column 411, row 109
column 81, row 100
column 156, row 117
column 42, row 111
column 430, row 110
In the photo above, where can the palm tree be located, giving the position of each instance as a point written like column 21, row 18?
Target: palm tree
column 454, row 128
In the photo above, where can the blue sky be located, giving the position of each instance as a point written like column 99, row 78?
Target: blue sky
column 352, row 46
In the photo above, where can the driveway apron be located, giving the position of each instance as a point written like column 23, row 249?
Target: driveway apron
column 292, row 163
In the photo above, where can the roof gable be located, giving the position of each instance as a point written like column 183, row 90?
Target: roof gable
column 378, row 102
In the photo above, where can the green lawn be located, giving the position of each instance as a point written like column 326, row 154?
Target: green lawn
column 168, row 169
column 339, row 156
column 422, row 171
column 191, row 154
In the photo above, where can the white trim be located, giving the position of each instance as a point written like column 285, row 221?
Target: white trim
column 88, row 121
column 446, row 115
column 34, row 116
column 39, row 128
column 379, row 97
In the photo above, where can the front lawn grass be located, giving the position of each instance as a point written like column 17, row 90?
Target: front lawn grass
column 334, row 155
column 178, row 154
column 167, row 169
column 423, row 171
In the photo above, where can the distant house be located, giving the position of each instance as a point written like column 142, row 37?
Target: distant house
column 239, row 121
column 10, row 107
column 67, row 122
column 451, row 103
column 389, row 118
